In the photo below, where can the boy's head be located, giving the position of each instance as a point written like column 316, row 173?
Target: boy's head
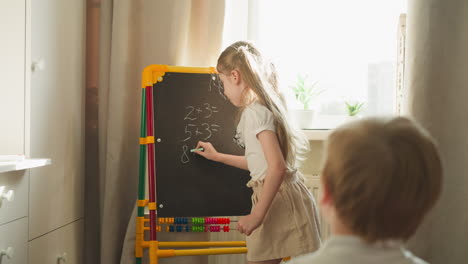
column 381, row 176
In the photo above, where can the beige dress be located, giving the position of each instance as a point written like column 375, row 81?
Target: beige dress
column 291, row 226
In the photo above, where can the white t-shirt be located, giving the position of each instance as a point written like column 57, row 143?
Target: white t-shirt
column 254, row 119
column 352, row 250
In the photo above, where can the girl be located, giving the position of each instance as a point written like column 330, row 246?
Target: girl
column 283, row 221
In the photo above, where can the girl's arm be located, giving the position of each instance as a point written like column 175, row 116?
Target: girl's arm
column 210, row 153
column 274, row 177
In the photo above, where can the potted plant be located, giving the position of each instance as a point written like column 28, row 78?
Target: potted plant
column 353, row 109
column 305, row 93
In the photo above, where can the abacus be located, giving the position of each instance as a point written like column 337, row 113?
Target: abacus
column 151, row 75
column 196, row 224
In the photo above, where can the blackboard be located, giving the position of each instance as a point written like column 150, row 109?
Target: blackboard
column 189, row 107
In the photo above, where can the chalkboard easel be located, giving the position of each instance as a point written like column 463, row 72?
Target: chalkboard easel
column 180, row 106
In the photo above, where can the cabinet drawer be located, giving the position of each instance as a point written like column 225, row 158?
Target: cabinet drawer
column 65, row 242
column 14, row 238
column 55, row 198
column 16, row 183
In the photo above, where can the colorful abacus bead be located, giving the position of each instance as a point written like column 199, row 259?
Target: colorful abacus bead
column 179, row 228
column 198, row 228
column 187, row 228
column 171, row 228
column 215, row 228
column 158, row 228
column 198, row 221
column 226, row 228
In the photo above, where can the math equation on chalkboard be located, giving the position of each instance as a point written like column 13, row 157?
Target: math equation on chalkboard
column 199, row 125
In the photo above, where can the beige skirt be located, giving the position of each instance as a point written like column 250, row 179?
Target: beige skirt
column 291, row 226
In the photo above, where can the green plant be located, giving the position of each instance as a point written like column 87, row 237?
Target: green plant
column 305, row 92
column 355, row 108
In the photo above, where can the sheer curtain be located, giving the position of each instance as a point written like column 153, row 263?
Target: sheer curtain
column 132, row 35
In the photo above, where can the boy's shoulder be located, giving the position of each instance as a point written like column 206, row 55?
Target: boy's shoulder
column 318, row 258
column 352, row 250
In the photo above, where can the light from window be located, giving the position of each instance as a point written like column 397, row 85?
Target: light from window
column 349, row 48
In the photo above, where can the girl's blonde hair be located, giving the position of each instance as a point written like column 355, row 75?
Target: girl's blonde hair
column 261, row 79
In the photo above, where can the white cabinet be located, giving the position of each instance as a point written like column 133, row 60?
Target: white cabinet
column 57, row 113
column 61, row 246
column 14, row 205
column 12, row 76
column 14, row 242
column 42, row 84
column 59, row 194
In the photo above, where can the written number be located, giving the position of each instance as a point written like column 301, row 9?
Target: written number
column 193, row 112
column 184, row 158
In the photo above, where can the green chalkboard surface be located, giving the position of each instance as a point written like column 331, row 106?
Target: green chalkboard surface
column 191, row 107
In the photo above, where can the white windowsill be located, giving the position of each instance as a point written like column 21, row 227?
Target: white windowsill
column 6, row 166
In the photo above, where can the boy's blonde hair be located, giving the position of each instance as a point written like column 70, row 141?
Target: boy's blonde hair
column 262, row 82
column 383, row 176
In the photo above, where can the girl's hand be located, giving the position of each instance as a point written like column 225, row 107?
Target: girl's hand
column 209, row 152
column 247, row 224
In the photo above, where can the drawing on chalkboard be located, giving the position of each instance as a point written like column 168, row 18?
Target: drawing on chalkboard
column 185, row 158
column 199, row 125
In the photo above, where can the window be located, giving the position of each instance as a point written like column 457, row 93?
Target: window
column 348, row 48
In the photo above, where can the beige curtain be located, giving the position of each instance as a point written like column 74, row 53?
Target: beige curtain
column 437, row 81
column 133, row 34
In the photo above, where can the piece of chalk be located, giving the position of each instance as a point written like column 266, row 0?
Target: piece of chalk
column 198, row 149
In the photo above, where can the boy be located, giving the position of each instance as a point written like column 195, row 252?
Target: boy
column 380, row 178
